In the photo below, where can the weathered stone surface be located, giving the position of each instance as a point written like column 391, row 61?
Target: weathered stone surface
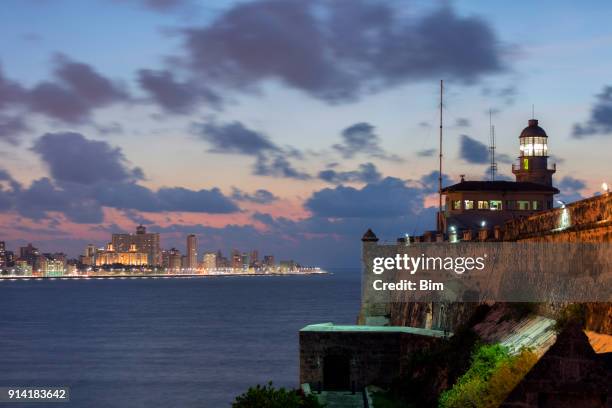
column 569, row 374
column 375, row 357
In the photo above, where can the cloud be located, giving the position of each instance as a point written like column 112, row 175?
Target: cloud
column 260, row 196
column 367, row 173
column 426, row 152
column 73, row 158
column 571, row 184
column 600, row 121
column 158, row 5
column 76, row 91
column 10, row 92
column 88, row 175
column 462, row 122
column 337, row 51
column 84, row 203
column 175, row 96
column 11, row 128
column 506, row 94
column 473, row 151
column 361, row 139
column 570, row 188
column 276, row 165
column 389, row 197
column 430, row 182
column 234, row 138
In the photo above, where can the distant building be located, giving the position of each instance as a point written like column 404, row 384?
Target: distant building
column 174, row 260
column 192, row 252
column 209, row 261
column 245, row 263
column 254, row 258
column 30, row 254
column 3, row 262
column 287, row 266
column 88, row 257
column 145, row 242
column 110, row 255
column 53, row 267
column 22, row 268
column 236, row 259
column 474, row 205
column 268, row 261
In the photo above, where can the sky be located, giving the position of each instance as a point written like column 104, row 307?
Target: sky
column 283, row 125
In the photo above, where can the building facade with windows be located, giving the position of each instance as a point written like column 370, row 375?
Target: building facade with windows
column 147, row 243
column 478, row 204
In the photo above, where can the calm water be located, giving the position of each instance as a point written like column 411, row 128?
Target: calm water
column 163, row 343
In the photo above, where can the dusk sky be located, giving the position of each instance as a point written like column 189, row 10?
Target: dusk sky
column 287, row 126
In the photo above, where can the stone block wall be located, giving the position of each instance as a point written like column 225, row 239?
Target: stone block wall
column 375, row 357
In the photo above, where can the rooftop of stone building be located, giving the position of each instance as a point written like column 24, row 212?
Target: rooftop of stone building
column 330, row 327
column 499, row 185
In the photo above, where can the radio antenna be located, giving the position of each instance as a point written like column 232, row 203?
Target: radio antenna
column 440, row 170
column 493, row 168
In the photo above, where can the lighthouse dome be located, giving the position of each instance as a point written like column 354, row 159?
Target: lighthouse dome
column 533, row 130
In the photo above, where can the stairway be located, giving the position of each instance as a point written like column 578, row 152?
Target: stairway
column 341, row 399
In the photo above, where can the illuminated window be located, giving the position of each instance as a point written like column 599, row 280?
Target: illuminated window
column 483, row 205
column 495, row 204
column 536, row 205
column 457, row 205
column 523, row 205
column 526, row 164
column 534, row 146
column 469, row 204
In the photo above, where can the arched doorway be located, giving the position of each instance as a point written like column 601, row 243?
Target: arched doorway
column 336, row 372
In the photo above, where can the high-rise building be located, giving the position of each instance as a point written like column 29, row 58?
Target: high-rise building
column 192, row 252
column 145, row 242
column 29, row 254
column 88, row 257
column 209, row 261
column 254, row 258
column 245, row 261
column 110, row 256
column 174, row 260
column 236, row 259
column 2, row 255
column 268, row 261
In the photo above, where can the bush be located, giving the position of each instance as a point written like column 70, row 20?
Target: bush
column 492, row 376
column 269, row 397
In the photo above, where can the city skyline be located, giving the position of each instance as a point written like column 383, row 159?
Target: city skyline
column 176, row 122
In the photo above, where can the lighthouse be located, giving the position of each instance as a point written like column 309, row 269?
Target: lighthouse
column 532, row 166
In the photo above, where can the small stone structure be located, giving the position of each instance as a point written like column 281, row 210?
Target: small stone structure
column 352, row 357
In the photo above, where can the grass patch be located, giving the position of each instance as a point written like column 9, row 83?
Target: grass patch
column 492, row 375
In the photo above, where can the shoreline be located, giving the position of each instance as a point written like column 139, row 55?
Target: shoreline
column 156, row 276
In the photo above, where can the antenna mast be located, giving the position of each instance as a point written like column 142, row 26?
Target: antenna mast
column 493, row 168
column 440, row 172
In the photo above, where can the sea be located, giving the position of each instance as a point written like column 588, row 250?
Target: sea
column 185, row 343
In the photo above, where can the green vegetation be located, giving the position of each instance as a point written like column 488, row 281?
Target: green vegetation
column 490, row 378
column 387, row 400
column 428, row 372
column 269, row 397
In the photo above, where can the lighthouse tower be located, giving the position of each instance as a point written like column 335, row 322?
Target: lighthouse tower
column 533, row 160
